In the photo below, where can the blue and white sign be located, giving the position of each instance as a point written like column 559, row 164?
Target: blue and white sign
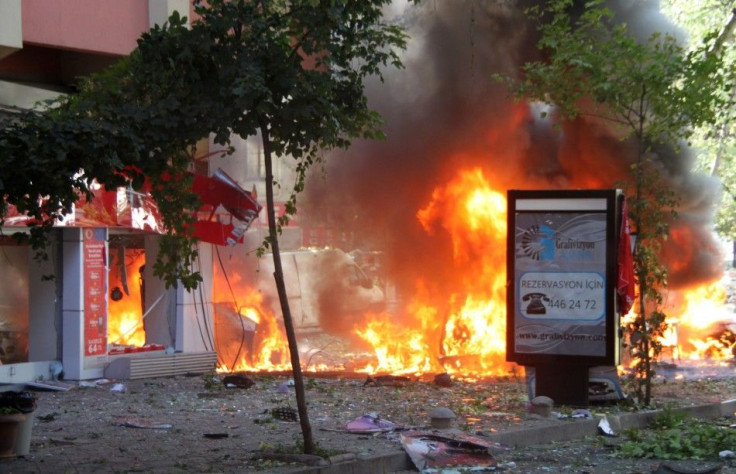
column 559, row 273
column 562, row 296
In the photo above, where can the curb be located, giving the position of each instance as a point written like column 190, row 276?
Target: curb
column 575, row 429
column 385, row 463
column 582, row 428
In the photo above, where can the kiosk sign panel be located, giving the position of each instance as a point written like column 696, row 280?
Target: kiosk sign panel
column 95, row 292
column 561, row 267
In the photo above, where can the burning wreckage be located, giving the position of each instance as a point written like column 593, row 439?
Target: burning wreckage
column 438, row 304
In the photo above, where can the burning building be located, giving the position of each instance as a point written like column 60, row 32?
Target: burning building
column 104, row 303
column 426, row 208
column 430, row 200
column 432, row 196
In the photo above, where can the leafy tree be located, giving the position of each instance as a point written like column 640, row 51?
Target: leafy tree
column 653, row 93
column 715, row 146
column 292, row 71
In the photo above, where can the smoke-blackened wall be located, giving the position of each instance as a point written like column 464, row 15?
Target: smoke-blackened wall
column 444, row 112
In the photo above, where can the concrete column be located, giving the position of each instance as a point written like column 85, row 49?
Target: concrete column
column 77, row 366
column 11, row 32
column 195, row 327
column 160, row 302
column 159, row 11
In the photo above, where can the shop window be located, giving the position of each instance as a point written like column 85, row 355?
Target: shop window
column 125, row 328
column 14, row 299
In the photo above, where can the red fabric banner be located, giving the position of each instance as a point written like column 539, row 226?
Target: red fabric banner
column 625, row 286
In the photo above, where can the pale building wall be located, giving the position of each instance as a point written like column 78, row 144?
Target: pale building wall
column 11, row 36
column 102, row 26
column 160, row 10
column 99, row 26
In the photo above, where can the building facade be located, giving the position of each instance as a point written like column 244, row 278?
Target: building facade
column 104, row 304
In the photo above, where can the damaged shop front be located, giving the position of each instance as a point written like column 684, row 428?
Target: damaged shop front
column 93, row 308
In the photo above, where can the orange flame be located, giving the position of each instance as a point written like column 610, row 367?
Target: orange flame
column 702, row 324
column 249, row 337
column 461, row 327
column 468, row 334
column 125, row 316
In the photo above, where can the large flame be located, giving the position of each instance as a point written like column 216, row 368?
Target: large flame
column 467, row 331
column 249, row 337
column 125, row 316
column 459, row 328
column 701, row 323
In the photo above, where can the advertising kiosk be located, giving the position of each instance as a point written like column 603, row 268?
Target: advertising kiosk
column 562, row 279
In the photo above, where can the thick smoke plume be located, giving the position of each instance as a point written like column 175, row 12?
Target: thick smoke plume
column 444, row 112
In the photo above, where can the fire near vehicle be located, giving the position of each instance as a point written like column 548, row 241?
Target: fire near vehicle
column 327, row 290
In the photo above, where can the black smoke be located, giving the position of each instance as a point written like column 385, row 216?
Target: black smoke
column 444, row 112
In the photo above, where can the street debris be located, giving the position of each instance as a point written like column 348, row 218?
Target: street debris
column 57, row 370
column 443, row 380
column 93, row 383
column 688, row 467
column 67, row 430
column 237, row 381
column 285, row 413
column 118, row 388
column 47, row 418
column 584, row 414
column 579, row 414
column 308, row 459
column 371, row 423
column 605, row 427
column 433, row 450
column 285, row 387
column 140, row 423
column 390, row 380
column 49, row 386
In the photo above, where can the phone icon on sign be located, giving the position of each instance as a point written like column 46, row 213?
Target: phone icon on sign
column 536, row 303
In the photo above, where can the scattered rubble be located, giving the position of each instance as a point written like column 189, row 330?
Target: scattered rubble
column 199, row 424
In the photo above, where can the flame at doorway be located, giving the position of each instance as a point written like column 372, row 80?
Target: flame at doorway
column 125, row 308
column 248, row 335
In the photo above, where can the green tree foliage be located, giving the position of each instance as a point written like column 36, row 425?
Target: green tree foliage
column 715, row 145
column 653, row 92
column 239, row 66
column 292, row 71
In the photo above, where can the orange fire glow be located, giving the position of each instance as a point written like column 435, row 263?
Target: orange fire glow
column 125, row 316
column 462, row 327
column 244, row 310
column 701, row 324
column 468, row 334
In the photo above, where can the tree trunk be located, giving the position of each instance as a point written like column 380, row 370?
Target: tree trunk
column 278, row 275
column 642, row 271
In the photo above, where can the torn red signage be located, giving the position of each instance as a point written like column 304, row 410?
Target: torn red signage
column 435, row 451
column 221, row 190
column 125, row 207
column 625, row 286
